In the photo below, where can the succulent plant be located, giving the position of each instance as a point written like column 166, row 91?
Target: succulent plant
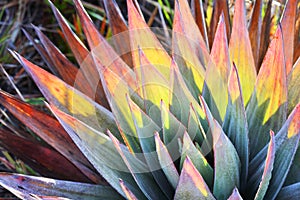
column 211, row 119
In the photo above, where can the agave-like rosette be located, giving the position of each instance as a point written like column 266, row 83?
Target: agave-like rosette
column 209, row 120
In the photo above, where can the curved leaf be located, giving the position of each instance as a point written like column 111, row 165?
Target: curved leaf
column 289, row 192
column 25, row 186
column 293, row 86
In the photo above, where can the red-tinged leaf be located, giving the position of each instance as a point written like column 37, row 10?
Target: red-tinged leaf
column 82, row 56
column 267, row 108
column 99, row 150
column 241, row 52
column 41, row 158
column 188, row 48
column 191, row 184
column 290, row 192
column 235, row 195
column 66, row 70
column 142, row 37
column 140, row 172
column 267, row 174
column 166, row 161
column 50, row 130
column 199, row 15
column 265, row 34
column 288, row 21
column 235, row 124
column 127, row 191
column 293, row 86
column 108, row 58
column 120, row 31
column 217, row 73
column 219, row 7
column 255, row 30
column 30, row 187
column 69, row 99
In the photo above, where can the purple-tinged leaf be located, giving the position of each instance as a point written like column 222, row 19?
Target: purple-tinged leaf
column 289, row 192
column 235, row 195
column 30, row 187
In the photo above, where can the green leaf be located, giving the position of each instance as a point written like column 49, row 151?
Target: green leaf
column 191, row 184
column 235, row 124
column 145, row 128
column 139, row 171
column 173, row 130
column 25, row 186
column 166, row 161
column 99, row 150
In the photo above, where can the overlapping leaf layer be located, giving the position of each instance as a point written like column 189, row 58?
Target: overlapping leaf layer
column 144, row 123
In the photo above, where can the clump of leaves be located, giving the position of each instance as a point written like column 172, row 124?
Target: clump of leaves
column 201, row 123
